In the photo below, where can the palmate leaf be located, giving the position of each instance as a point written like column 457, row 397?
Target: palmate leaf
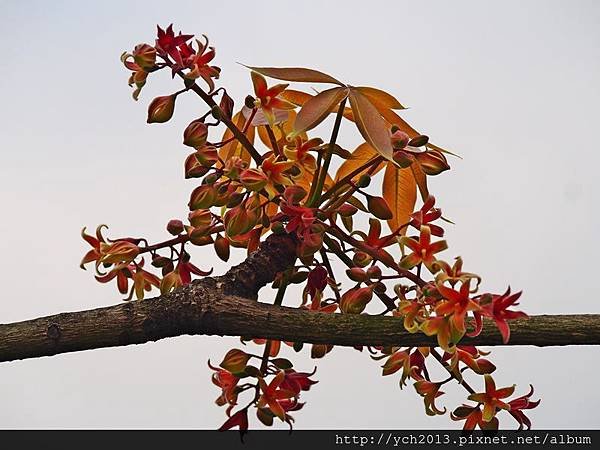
column 359, row 157
column 298, row 74
column 317, row 108
column 400, row 193
column 369, row 122
column 380, row 99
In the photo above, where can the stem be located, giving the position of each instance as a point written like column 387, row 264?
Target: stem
column 273, row 140
column 375, row 160
column 316, row 198
column 462, row 381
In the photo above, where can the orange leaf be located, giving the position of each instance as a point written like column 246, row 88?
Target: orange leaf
column 371, row 125
column 400, row 193
column 234, row 148
column 299, row 74
column 316, row 109
column 298, row 98
column 380, row 98
column 421, row 179
column 363, row 153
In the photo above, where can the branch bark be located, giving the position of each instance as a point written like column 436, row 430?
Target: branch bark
column 227, row 305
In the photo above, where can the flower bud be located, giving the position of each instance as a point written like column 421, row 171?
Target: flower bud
column 202, row 197
column 379, row 208
column 175, row 226
column 235, row 361
column 364, row 181
column 161, row 109
column 249, row 101
column 235, row 199
column 239, row 220
column 195, row 134
column 433, row 162
column 374, row 272
column 347, row 210
column 399, row 140
column 226, row 104
column 357, row 274
column 200, row 218
column 207, row 156
column 361, row 259
column 160, row 261
column 144, row 56
column 402, row 158
column 193, row 168
column 253, row 179
column 419, row 141
column 355, row 300
column 222, row 248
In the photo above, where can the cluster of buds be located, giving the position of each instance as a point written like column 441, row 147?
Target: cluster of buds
column 245, row 189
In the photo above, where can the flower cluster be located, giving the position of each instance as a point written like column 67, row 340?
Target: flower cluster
column 256, row 171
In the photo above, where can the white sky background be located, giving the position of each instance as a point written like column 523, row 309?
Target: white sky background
column 511, row 86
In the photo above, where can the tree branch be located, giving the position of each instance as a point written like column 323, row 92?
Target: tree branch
column 226, row 306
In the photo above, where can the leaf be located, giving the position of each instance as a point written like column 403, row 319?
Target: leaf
column 371, row 125
column 360, row 156
column 298, row 74
column 298, row 98
column 400, row 193
column 234, row 148
column 421, row 179
column 316, row 109
column 380, row 98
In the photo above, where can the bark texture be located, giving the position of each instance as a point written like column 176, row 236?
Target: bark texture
column 227, row 305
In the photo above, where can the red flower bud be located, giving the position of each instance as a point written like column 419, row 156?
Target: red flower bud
column 235, row 361
column 399, row 139
column 253, row 179
column 357, row 274
column 374, row 272
column 193, row 168
column 144, row 56
column 200, row 218
column 347, row 210
column 379, row 208
column 203, row 197
column 355, row 300
column 222, row 248
column 175, row 226
column 361, row 259
column 239, row 220
column 161, row 109
column 195, row 134
column 433, row 162
column 403, row 158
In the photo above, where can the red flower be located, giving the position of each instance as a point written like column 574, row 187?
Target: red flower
column 518, row 405
column 492, row 398
column 473, row 418
column 456, row 304
column 426, row 215
column 430, row 391
column 272, row 393
column 168, row 44
column 267, row 99
column 497, row 310
column 297, row 381
column 423, row 250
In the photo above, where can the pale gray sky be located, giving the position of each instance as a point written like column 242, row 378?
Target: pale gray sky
column 512, row 86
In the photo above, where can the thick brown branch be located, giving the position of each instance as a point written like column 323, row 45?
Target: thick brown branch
column 226, row 306
column 203, row 308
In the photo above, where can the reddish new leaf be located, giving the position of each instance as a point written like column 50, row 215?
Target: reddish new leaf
column 371, row 125
column 316, row 109
column 298, row 74
column 400, row 193
column 363, row 154
column 379, row 98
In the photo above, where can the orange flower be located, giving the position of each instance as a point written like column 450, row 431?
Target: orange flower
column 423, row 250
column 274, row 171
column 267, row 99
column 491, row 398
